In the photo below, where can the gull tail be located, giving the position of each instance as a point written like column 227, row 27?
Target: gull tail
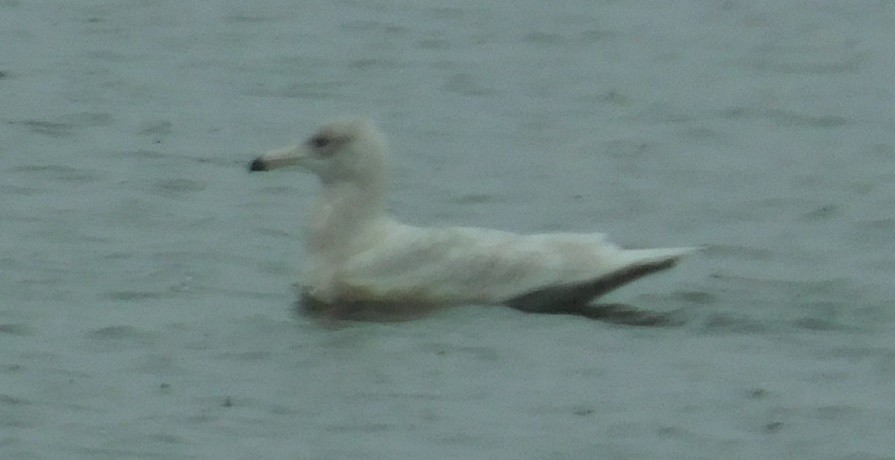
column 633, row 264
column 661, row 256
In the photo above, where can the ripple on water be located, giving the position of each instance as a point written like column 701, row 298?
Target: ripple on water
column 822, row 213
column 16, row 329
column 65, row 125
column 46, row 128
column 466, row 84
column 132, row 296
column 123, row 334
column 786, row 118
column 177, row 187
column 156, row 128
column 59, row 173
column 474, row 198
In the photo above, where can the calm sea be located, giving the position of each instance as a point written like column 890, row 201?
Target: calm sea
column 146, row 280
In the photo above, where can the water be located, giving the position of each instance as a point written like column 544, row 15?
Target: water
column 147, row 278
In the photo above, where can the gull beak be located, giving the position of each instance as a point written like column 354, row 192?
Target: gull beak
column 276, row 159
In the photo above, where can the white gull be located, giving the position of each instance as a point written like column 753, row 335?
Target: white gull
column 363, row 264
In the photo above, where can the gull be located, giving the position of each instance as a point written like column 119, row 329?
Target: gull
column 363, row 264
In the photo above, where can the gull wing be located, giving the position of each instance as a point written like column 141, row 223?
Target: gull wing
column 458, row 265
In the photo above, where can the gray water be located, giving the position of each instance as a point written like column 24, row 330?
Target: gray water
column 147, row 278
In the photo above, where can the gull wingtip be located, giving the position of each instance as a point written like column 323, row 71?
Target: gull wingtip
column 258, row 164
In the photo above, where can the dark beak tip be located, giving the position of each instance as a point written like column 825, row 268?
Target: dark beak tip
column 258, row 165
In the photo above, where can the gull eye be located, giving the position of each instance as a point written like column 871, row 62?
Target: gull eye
column 319, row 141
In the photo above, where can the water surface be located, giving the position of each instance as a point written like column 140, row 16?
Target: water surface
column 147, row 278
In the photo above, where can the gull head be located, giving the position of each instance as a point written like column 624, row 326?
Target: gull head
column 345, row 150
